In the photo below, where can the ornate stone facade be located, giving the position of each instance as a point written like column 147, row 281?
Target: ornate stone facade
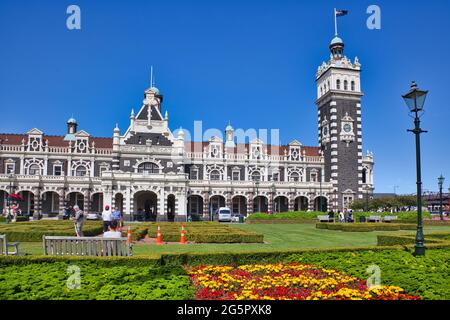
column 150, row 171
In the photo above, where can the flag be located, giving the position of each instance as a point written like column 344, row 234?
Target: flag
column 340, row 13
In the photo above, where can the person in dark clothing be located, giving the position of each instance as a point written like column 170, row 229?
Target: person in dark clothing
column 331, row 216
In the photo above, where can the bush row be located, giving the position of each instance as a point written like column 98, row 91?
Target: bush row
column 201, row 232
column 365, row 227
column 425, row 276
column 218, row 258
column 407, row 216
column 441, row 238
column 49, row 281
column 34, row 231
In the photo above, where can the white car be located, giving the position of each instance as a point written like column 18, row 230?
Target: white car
column 93, row 216
column 224, row 214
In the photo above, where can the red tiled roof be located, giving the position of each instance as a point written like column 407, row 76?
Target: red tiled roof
column 53, row 141
column 194, row 146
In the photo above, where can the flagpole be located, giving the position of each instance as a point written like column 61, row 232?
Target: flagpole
column 335, row 24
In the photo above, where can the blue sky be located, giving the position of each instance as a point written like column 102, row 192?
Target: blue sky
column 250, row 62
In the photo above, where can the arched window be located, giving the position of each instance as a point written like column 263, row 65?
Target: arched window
column 338, row 84
column 353, row 85
column 214, row 175
column 148, row 167
column 321, row 91
column 294, row 177
column 256, row 176
column 34, row 170
column 345, row 85
column 364, row 176
column 80, row 171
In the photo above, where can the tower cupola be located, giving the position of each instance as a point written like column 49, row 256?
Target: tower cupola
column 337, row 48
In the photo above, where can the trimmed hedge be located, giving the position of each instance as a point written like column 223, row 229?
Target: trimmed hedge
column 199, row 232
column 50, row 280
column 295, row 215
column 34, row 231
column 425, row 276
column 404, row 216
column 407, row 239
column 365, row 227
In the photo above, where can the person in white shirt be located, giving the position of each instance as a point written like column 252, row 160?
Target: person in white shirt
column 112, row 233
column 107, row 218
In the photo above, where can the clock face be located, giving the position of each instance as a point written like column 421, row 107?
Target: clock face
column 347, row 128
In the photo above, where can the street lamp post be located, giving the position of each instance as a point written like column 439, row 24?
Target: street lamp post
column 415, row 100
column 440, row 183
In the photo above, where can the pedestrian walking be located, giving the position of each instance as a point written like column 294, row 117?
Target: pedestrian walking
column 117, row 216
column 341, row 216
column 79, row 221
column 107, row 218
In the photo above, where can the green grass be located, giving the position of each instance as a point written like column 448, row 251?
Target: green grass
column 276, row 237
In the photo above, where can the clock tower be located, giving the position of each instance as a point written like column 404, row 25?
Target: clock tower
column 339, row 123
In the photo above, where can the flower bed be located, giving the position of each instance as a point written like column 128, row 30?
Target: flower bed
column 291, row 281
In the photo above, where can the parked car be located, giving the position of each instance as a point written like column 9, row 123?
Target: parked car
column 224, row 214
column 237, row 217
column 93, row 216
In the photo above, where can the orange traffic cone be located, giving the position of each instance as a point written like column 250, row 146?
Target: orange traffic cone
column 182, row 240
column 158, row 236
column 129, row 235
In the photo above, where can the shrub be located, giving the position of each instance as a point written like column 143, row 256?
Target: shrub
column 392, row 240
column 48, row 280
column 406, row 216
column 365, row 227
column 200, row 232
column 35, row 230
column 425, row 276
column 295, row 215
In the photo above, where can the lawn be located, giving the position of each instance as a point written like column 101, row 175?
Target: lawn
column 276, row 237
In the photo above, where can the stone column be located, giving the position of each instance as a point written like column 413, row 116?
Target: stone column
column 130, row 202
column 311, row 202
column 62, row 197
column 291, row 203
column 86, row 202
column 180, row 207
column 250, row 203
column 270, row 204
column 37, row 207
column 205, row 205
column 161, row 204
column 229, row 202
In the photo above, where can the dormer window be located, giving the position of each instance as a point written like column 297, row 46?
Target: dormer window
column 57, row 170
column 214, row 175
column 148, row 168
column 193, row 174
column 80, row 171
column 34, row 170
column 256, row 176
